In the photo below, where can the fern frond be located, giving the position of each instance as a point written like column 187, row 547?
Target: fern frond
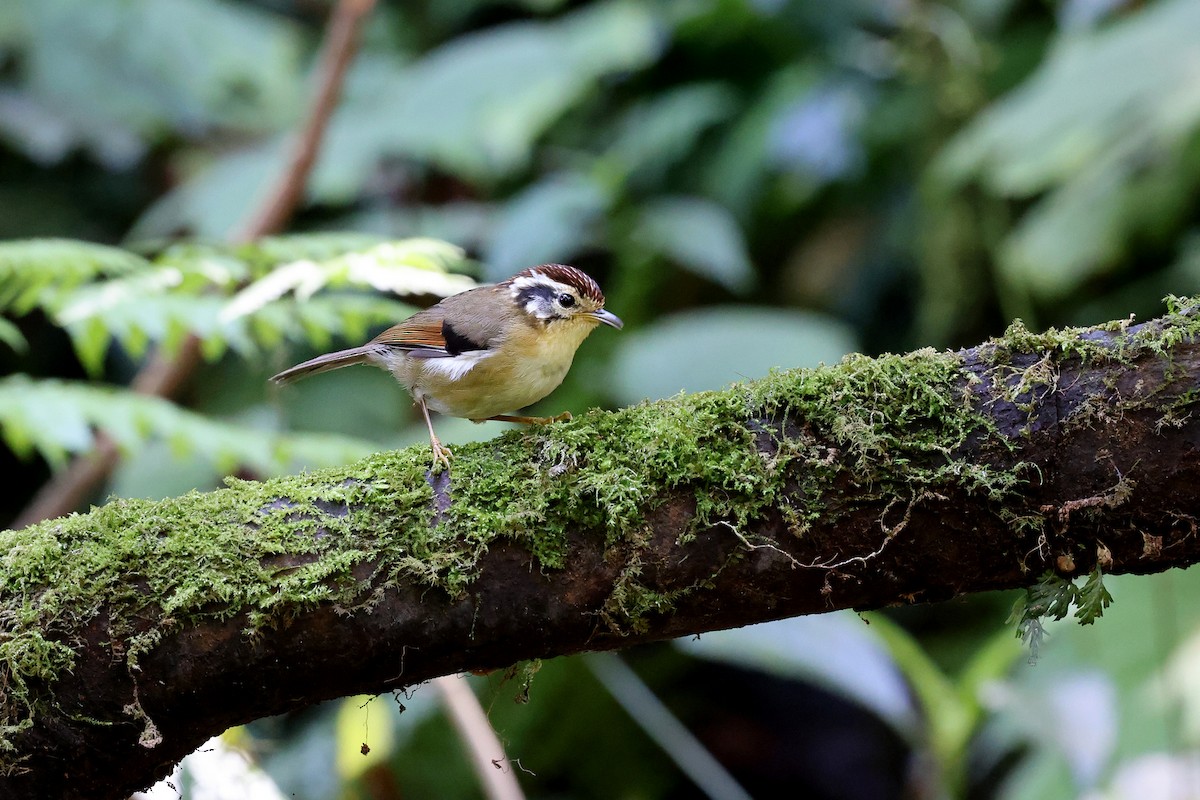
column 264, row 255
column 114, row 295
column 315, row 322
column 1093, row 598
column 408, row 267
column 166, row 320
column 57, row 419
column 33, row 271
column 1053, row 597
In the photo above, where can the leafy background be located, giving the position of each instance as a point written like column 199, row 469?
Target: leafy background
column 755, row 183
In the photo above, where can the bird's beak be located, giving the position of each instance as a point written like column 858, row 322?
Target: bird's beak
column 608, row 318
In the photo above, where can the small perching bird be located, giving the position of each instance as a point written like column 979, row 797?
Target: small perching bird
column 486, row 351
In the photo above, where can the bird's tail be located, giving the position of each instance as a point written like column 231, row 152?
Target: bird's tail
column 342, row 358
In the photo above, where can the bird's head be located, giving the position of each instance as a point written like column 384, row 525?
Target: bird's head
column 552, row 294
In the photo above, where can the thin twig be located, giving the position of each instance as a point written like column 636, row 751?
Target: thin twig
column 164, row 376
column 487, row 756
column 341, row 43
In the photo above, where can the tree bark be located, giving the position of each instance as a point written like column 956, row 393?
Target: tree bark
column 133, row 633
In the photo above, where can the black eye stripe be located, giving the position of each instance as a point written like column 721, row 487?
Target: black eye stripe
column 546, row 301
column 540, row 292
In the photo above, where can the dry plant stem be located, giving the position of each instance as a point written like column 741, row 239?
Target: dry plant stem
column 164, row 376
column 70, row 489
column 487, row 756
column 341, row 44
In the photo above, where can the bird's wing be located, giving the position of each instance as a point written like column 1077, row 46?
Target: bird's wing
column 430, row 334
column 420, row 332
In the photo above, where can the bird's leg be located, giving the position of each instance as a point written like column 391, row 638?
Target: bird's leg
column 441, row 453
column 563, row 417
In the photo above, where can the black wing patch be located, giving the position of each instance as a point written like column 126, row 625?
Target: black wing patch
column 457, row 343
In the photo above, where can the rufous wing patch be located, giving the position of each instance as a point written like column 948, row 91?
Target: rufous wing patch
column 417, row 332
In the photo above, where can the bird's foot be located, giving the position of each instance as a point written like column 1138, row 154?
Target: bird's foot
column 441, row 455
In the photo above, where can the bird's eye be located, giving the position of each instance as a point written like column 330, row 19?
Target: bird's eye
column 566, row 300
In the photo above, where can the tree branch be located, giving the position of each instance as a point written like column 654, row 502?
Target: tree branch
column 137, row 631
column 337, row 53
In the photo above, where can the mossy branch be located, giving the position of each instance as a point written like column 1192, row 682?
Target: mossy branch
column 133, row 633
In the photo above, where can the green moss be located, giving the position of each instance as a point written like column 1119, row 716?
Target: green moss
column 889, row 428
column 1181, row 324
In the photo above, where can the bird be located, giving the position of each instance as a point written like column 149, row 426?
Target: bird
column 485, row 352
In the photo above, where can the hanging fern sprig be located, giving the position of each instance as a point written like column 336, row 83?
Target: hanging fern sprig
column 299, row 289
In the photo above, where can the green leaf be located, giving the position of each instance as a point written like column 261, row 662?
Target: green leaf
column 662, row 130
column 950, row 715
column 407, row 267
column 158, row 65
column 13, row 27
column 263, row 255
column 1103, row 130
column 11, row 335
column 100, row 294
column 1093, row 599
column 699, row 235
column 837, row 651
column 1052, row 596
column 46, row 422
column 1032, row 633
column 38, row 272
column 465, row 222
column 476, row 105
column 212, row 202
column 56, row 419
column 551, row 221
column 1095, row 96
column 738, row 173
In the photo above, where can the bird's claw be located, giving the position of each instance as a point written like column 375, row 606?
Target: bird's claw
column 441, row 455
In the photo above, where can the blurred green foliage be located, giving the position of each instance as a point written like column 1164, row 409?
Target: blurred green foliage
column 755, row 183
